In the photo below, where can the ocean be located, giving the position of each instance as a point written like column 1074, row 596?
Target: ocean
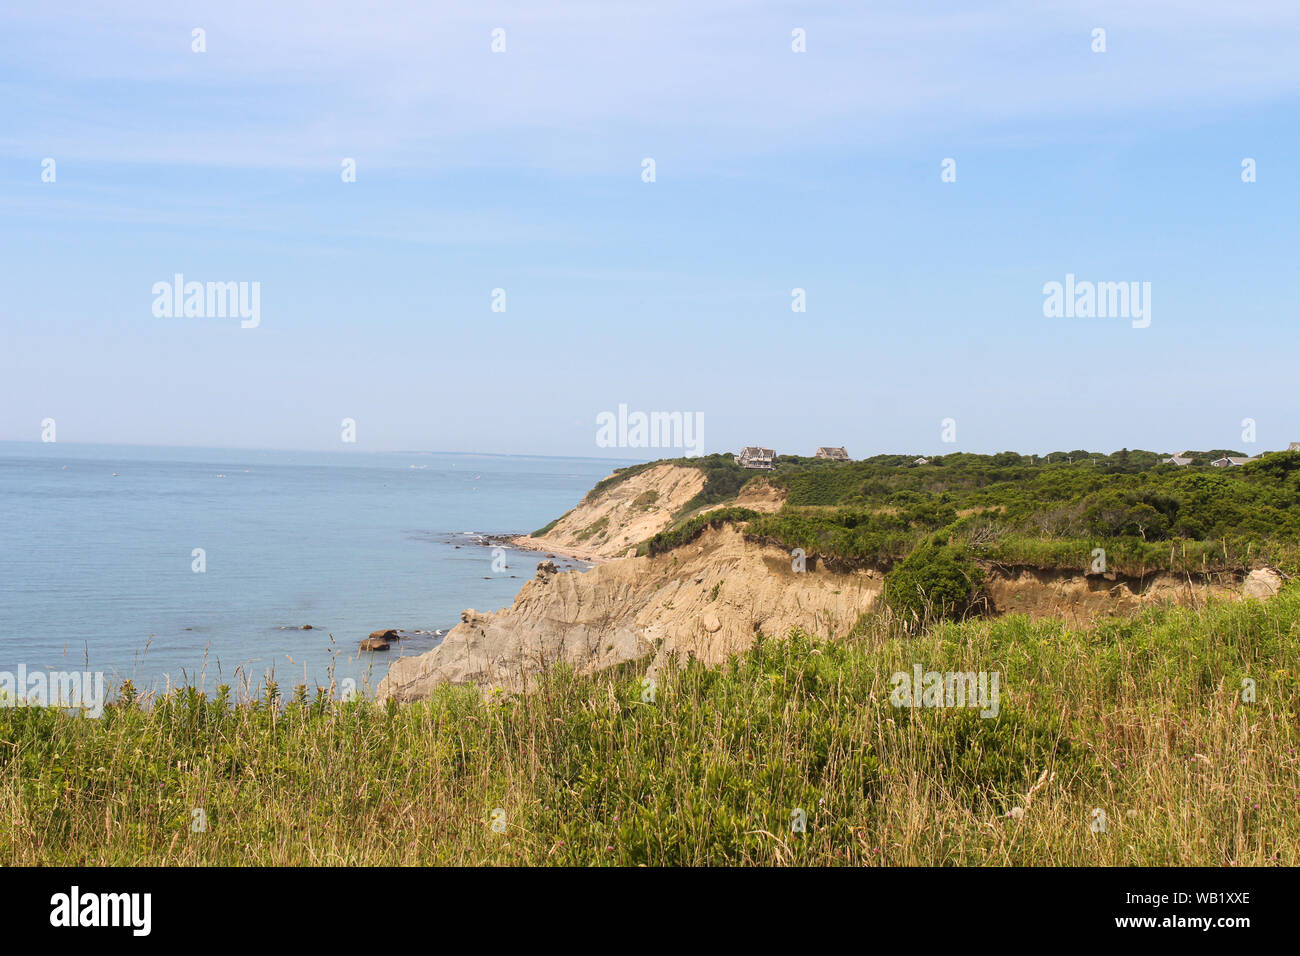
column 192, row 566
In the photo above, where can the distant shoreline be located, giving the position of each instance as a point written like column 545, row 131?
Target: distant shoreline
column 131, row 450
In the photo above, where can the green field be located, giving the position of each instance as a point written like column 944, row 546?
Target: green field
column 1017, row 510
column 1142, row 719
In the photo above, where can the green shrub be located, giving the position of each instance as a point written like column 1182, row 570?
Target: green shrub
column 723, row 479
column 934, row 582
column 596, row 527
column 544, row 529
column 690, row 530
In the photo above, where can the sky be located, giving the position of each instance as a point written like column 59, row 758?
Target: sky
column 523, row 170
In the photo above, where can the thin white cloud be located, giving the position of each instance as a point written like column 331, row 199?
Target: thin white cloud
column 584, row 86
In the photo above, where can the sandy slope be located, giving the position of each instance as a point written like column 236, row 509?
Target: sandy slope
column 708, row 600
column 622, row 517
column 757, row 495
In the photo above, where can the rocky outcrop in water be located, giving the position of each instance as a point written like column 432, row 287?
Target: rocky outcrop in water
column 380, row 640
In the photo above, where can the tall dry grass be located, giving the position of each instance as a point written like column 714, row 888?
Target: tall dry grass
column 1141, row 719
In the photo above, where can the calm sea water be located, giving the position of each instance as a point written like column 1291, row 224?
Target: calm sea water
column 98, row 568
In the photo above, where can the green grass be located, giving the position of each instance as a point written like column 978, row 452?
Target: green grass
column 645, row 500
column 595, row 528
column 546, row 528
column 1139, row 717
column 691, row 529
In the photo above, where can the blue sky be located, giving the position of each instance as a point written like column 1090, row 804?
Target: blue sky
column 774, row 170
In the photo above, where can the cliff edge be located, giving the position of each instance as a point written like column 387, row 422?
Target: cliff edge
column 609, row 523
column 707, row 600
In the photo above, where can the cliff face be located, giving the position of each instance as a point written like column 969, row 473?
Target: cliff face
column 610, row 524
column 1077, row 598
column 758, row 495
column 709, row 600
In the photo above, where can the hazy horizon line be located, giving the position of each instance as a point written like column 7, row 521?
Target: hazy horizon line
column 601, row 458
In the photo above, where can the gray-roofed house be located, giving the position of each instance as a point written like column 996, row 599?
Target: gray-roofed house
column 834, row 454
column 751, row 456
column 1229, row 461
column 1181, row 461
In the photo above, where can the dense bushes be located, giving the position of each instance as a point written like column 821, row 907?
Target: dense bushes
column 1019, row 509
column 1014, row 508
column 692, row 529
column 1193, row 501
column 934, row 582
column 877, row 537
column 722, row 480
